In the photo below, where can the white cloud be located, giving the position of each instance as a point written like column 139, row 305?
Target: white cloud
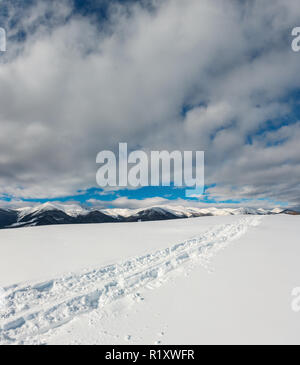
column 124, row 202
column 72, row 90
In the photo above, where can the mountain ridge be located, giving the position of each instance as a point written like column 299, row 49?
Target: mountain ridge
column 54, row 214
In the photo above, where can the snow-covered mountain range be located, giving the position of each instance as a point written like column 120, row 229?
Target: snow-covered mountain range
column 54, row 213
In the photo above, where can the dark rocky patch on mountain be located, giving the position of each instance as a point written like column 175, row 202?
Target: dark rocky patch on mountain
column 7, row 217
column 152, row 214
column 291, row 212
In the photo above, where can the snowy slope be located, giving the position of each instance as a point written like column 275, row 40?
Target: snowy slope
column 186, row 212
column 70, row 209
column 154, row 282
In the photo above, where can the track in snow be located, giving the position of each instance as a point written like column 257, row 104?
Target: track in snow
column 35, row 309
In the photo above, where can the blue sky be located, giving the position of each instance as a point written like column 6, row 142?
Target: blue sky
column 97, row 197
column 82, row 76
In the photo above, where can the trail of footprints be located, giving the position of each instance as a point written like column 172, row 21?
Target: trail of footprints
column 35, row 309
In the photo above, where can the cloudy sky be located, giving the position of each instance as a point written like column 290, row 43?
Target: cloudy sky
column 217, row 76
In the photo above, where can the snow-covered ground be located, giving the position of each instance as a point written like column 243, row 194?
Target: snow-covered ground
column 168, row 282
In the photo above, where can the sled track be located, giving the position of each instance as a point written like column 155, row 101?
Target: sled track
column 35, row 309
